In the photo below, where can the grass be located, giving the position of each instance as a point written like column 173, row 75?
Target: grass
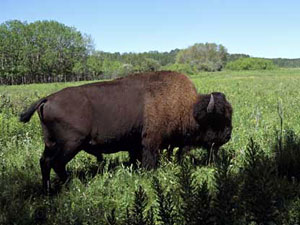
column 94, row 191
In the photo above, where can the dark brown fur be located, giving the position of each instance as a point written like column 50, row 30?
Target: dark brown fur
column 141, row 114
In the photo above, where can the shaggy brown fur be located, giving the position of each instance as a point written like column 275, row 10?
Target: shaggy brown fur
column 141, row 114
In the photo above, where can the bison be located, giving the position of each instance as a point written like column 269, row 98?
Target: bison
column 140, row 113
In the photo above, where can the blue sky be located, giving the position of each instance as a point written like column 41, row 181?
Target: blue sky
column 261, row 28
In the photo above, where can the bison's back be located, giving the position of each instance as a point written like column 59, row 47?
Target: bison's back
column 158, row 102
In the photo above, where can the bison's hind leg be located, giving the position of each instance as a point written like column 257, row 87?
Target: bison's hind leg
column 57, row 157
column 45, row 163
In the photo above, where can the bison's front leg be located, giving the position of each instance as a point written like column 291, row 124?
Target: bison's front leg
column 150, row 152
column 135, row 156
column 181, row 152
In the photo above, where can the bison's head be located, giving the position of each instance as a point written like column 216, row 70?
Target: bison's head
column 213, row 114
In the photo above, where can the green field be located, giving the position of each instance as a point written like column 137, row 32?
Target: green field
column 95, row 190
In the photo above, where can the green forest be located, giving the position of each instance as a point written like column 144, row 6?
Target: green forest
column 49, row 51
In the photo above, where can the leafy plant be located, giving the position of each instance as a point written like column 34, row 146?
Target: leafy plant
column 137, row 216
column 258, row 190
column 166, row 207
column 196, row 200
column 225, row 203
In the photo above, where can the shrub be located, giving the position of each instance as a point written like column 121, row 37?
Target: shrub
column 196, row 199
column 258, row 190
column 226, row 207
column 166, row 212
column 206, row 57
column 137, row 215
column 250, row 64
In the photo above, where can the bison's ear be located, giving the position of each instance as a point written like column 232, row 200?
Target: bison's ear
column 204, row 105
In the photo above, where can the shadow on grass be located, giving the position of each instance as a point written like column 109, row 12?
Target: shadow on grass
column 18, row 190
column 107, row 165
column 22, row 199
column 287, row 154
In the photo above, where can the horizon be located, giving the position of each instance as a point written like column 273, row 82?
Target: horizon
column 264, row 29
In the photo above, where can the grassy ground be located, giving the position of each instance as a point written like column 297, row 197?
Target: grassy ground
column 257, row 98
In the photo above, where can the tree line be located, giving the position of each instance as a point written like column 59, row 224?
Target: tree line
column 288, row 63
column 49, row 51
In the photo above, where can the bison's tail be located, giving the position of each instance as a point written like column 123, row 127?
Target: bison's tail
column 27, row 114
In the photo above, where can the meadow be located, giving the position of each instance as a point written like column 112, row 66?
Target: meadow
column 266, row 117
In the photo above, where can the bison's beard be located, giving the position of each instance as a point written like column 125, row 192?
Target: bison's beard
column 214, row 139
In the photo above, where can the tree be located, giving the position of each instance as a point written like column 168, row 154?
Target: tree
column 41, row 51
column 206, row 57
column 55, row 48
column 12, row 48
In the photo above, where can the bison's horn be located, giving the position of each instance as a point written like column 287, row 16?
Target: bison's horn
column 211, row 104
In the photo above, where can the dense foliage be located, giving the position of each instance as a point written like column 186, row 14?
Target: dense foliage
column 250, row 64
column 254, row 181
